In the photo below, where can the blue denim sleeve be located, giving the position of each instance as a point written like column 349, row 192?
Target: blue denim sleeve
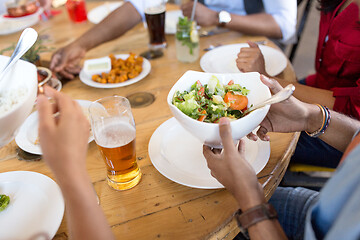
column 337, row 214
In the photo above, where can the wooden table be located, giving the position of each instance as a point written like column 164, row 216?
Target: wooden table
column 157, row 208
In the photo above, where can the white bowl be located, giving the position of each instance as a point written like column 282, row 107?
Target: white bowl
column 22, row 75
column 208, row 133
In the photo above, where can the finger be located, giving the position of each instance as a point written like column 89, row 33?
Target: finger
column 46, row 120
column 225, row 134
column 241, row 147
column 62, row 101
column 271, row 83
column 262, row 133
column 57, row 62
column 208, row 154
column 252, row 44
column 72, row 70
column 216, row 150
column 66, row 74
column 252, row 136
column 54, row 60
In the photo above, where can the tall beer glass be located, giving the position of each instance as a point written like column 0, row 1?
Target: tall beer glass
column 155, row 21
column 113, row 127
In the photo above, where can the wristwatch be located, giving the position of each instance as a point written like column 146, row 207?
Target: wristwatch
column 254, row 215
column 224, row 18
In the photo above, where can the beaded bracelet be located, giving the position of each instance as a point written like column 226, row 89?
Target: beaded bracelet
column 326, row 120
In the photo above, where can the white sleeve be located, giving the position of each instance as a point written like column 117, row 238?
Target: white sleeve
column 138, row 4
column 284, row 12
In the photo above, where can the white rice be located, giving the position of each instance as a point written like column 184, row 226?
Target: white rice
column 9, row 99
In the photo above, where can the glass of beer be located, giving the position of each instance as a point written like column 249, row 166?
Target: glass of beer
column 113, row 127
column 155, row 21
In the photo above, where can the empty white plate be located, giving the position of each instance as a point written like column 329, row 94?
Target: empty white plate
column 177, row 155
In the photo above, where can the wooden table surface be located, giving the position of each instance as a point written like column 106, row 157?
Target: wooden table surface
column 157, row 208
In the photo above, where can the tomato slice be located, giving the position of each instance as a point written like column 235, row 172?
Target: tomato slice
column 237, row 102
column 231, row 82
column 202, row 117
column 201, row 91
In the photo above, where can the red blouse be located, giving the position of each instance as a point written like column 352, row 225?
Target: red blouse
column 337, row 60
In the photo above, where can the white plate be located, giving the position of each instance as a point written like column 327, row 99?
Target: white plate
column 97, row 14
column 171, row 19
column 36, row 206
column 87, row 79
column 177, row 155
column 12, row 25
column 223, row 59
column 28, row 133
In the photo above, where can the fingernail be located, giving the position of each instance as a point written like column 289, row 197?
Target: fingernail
column 224, row 121
column 266, row 78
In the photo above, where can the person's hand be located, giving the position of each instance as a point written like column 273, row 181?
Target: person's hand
column 290, row 115
column 231, row 169
column 66, row 60
column 203, row 15
column 45, row 4
column 63, row 139
column 250, row 59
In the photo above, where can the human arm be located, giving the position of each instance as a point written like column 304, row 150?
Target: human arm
column 294, row 115
column 66, row 60
column 250, row 59
column 278, row 20
column 236, row 174
column 64, row 144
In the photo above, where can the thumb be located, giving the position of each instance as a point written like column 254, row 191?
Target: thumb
column 225, row 134
column 252, row 44
column 58, row 62
column 272, row 84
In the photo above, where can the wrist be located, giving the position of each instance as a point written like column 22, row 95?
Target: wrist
column 251, row 198
column 314, row 119
column 72, row 180
column 82, row 43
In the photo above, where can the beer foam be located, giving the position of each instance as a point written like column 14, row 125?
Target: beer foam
column 155, row 10
column 115, row 134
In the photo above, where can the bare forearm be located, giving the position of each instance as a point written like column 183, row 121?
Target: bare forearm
column 311, row 94
column 340, row 131
column 85, row 217
column 115, row 25
column 255, row 24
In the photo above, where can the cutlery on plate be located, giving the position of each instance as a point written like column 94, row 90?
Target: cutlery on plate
column 211, row 47
column 213, row 31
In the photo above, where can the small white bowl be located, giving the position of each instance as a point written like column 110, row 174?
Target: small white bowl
column 208, row 133
column 23, row 75
column 97, row 66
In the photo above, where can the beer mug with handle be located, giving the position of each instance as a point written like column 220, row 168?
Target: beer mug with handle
column 113, row 127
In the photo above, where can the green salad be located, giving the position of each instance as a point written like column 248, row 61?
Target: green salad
column 212, row 101
column 4, row 201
